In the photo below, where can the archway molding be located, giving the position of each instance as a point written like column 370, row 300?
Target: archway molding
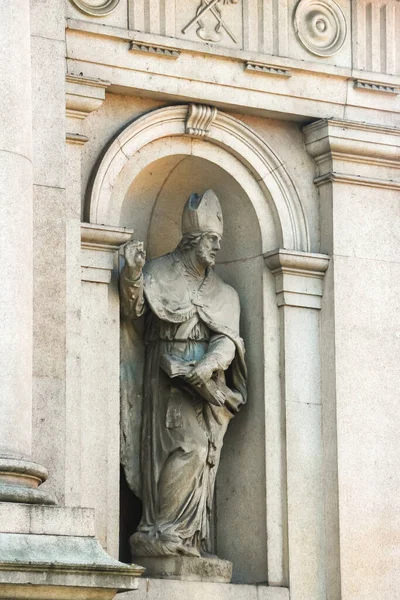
column 220, row 131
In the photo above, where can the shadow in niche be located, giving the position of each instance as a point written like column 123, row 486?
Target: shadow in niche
column 130, row 511
column 154, row 203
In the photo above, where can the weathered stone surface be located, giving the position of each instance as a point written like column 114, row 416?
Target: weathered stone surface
column 307, row 490
column 43, row 565
column 161, row 589
column 194, row 382
column 186, row 568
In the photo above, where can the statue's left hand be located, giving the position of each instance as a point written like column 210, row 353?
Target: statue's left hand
column 200, row 374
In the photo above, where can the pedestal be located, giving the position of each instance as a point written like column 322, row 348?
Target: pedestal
column 51, row 552
column 186, row 568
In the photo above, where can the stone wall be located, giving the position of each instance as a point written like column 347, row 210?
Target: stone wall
column 301, row 143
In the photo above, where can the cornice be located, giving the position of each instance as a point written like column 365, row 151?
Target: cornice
column 90, row 81
column 298, row 277
column 333, row 176
column 76, row 138
column 84, row 95
column 245, row 75
column 104, row 237
column 99, row 243
column 334, row 143
column 299, row 263
column 350, row 125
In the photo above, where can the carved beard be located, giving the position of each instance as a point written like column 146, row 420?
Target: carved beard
column 204, row 258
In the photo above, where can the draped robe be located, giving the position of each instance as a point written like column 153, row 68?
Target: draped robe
column 192, row 318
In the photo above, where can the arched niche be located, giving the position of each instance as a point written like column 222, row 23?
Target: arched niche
column 142, row 183
column 234, row 138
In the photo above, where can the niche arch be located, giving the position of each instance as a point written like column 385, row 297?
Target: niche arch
column 141, row 182
column 235, row 138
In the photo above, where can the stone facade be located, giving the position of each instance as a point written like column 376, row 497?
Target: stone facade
column 113, row 113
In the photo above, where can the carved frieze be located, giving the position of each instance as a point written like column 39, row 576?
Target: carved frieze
column 320, row 26
column 375, row 38
column 97, row 8
column 209, row 21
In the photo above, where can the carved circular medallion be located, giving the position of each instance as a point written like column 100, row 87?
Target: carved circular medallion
column 97, row 8
column 320, row 26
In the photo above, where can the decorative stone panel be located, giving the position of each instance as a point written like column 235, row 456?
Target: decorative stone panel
column 320, row 26
column 376, row 40
column 97, row 8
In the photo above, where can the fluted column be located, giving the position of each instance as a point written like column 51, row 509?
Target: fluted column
column 19, row 477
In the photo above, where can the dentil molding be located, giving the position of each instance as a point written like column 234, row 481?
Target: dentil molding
column 371, row 85
column 157, row 49
column 266, row 69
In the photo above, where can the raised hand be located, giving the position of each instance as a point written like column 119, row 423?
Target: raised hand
column 135, row 257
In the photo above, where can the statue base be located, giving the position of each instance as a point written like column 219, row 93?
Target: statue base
column 186, row 568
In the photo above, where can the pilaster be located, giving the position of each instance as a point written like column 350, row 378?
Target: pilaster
column 99, row 358
column 83, row 96
column 358, row 178
column 299, row 287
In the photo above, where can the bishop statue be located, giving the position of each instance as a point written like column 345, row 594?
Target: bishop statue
column 194, row 379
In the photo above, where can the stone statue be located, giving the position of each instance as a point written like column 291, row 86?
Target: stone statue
column 194, row 380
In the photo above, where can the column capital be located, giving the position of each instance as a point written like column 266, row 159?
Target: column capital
column 353, row 152
column 298, row 277
column 83, row 96
column 99, row 244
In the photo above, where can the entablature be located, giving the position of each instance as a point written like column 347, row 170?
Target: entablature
column 280, row 87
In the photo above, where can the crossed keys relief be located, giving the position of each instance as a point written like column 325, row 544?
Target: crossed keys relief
column 210, row 30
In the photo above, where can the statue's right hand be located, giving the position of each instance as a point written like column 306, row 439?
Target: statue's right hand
column 135, row 255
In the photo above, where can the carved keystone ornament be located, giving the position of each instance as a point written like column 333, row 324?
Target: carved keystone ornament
column 199, row 119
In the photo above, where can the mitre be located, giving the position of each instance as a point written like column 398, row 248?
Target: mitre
column 202, row 214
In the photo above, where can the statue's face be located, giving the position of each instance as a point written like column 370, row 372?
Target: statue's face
column 207, row 248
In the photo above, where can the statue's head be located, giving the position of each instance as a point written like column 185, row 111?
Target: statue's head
column 202, row 227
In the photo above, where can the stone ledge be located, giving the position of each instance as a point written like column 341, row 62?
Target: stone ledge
column 163, row 589
column 187, row 568
column 60, row 567
column 38, row 552
column 48, row 520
